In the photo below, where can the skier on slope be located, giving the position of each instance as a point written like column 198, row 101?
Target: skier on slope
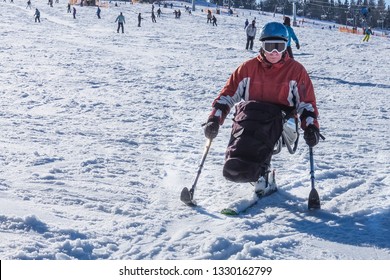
column 153, row 17
column 214, row 21
column 98, row 12
column 121, row 20
column 291, row 36
column 250, row 35
column 37, row 15
column 368, row 32
column 140, row 18
column 209, row 16
column 246, row 24
column 273, row 88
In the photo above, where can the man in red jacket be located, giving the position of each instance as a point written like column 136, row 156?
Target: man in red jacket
column 271, row 78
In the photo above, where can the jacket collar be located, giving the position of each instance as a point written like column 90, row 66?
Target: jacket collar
column 269, row 65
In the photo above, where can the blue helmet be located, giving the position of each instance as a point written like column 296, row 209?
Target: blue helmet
column 274, row 31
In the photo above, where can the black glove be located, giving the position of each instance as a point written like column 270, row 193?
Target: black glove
column 298, row 46
column 311, row 135
column 211, row 127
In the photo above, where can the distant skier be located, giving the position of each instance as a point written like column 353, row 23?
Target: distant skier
column 139, row 19
column 37, row 15
column 121, row 20
column 153, row 17
column 209, row 16
column 365, row 12
column 250, row 35
column 69, row 8
column 246, row 23
column 74, row 12
column 291, row 35
column 214, row 20
column 98, row 12
column 28, row 4
column 368, row 33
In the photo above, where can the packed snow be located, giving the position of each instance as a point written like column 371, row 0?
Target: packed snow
column 101, row 131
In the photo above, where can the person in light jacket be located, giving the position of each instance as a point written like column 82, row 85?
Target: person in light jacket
column 250, row 35
column 121, row 20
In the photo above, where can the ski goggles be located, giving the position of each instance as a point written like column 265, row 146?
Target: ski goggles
column 277, row 45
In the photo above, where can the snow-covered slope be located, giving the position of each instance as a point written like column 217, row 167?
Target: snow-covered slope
column 101, row 131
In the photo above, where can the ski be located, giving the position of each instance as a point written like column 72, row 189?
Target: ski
column 263, row 187
column 240, row 207
column 236, row 211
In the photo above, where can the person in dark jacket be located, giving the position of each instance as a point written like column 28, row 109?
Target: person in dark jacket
column 246, row 23
column 139, row 19
column 214, row 20
column 98, row 12
column 37, row 15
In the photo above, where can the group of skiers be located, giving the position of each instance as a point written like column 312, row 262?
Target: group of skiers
column 211, row 18
column 120, row 18
column 37, row 13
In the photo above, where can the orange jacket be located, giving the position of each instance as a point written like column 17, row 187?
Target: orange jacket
column 285, row 83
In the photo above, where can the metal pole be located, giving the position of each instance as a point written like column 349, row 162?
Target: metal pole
column 294, row 13
column 193, row 5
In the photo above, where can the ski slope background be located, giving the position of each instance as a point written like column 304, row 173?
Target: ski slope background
column 100, row 132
